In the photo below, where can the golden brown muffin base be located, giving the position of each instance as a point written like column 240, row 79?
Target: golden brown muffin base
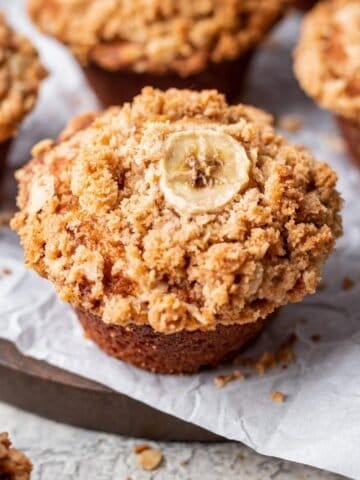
column 181, row 352
column 115, row 88
column 351, row 133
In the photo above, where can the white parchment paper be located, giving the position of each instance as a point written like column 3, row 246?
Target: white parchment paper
column 319, row 424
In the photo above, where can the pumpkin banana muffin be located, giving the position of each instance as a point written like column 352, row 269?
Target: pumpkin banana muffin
column 124, row 46
column 176, row 225
column 20, row 76
column 14, row 465
column 327, row 64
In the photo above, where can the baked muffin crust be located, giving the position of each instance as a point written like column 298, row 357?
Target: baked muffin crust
column 327, row 58
column 157, row 36
column 20, row 75
column 93, row 218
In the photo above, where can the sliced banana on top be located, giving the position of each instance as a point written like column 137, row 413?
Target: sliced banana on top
column 202, row 170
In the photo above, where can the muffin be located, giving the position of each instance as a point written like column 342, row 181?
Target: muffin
column 176, row 225
column 14, row 465
column 20, row 76
column 125, row 46
column 327, row 64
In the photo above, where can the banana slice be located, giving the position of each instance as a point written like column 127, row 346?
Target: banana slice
column 202, row 170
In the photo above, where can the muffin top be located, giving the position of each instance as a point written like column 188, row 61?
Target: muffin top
column 20, row 75
column 177, row 211
column 156, row 35
column 327, row 58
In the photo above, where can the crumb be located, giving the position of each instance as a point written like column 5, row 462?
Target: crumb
column 150, row 459
column 316, row 337
column 141, row 447
column 277, row 397
column 269, row 360
column 221, row 380
column 290, row 123
column 322, row 286
column 6, row 271
column 264, row 363
column 335, row 143
column 347, row 283
column 14, row 465
column 303, row 321
column 184, row 461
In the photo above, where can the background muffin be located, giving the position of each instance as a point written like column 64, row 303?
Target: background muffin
column 124, row 46
column 176, row 225
column 20, row 76
column 327, row 63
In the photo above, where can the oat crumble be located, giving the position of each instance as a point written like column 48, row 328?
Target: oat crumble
column 94, row 221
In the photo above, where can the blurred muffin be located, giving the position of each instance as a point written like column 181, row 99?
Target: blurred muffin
column 14, row 465
column 176, row 225
column 327, row 64
column 124, row 46
column 20, row 76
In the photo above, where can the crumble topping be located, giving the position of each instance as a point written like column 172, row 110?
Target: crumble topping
column 20, row 75
column 14, row 465
column 113, row 246
column 157, row 35
column 327, row 58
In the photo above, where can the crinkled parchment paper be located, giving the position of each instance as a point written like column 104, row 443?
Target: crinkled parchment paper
column 319, row 424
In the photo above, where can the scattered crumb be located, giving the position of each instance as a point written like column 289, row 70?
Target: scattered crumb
column 277, row 397
column 221, row 380
column 290, row 123
column 303, row 321
column 268, row 360
column 335, row 143
column 316, row 337
column 347, row 283
column 150, row 459
column 141, row 447
column 322, row 286
column 6, row 271
column 184, row 462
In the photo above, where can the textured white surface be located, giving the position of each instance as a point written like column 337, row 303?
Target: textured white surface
column 60, row 452
column 322, row 387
